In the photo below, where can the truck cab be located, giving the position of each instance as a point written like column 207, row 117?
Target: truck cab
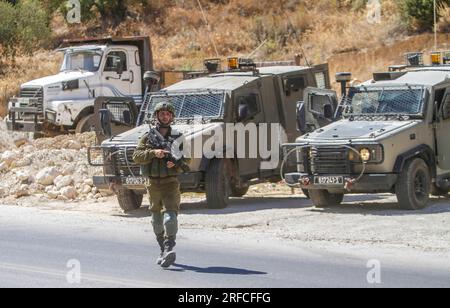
column 90, row 68
column 393, row 138
column 244, row 97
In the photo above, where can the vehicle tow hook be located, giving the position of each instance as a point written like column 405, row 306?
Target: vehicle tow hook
column 349, row 184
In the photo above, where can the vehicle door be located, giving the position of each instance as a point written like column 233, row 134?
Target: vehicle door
column 116, row 77
column 320, row 108
column 442, row 132
column 250, row 114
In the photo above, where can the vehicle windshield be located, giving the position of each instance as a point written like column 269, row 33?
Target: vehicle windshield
column 386, row 101
column 86, row 60
column 188, row 106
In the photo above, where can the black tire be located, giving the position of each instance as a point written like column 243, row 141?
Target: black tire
column 414, row 185
column 239, row 192
column 129, row 200
column 217, row 185
column 85, row 124
column 306, row 193
column 437, row 191
column 322, row 198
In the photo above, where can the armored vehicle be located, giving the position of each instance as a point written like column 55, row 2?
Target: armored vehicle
column 393, row 138
column 244, row 94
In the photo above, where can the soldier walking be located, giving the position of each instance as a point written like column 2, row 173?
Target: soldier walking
column 153, row 155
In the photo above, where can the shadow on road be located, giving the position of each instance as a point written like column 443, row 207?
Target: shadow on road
column 215, row 270
column 377, row 205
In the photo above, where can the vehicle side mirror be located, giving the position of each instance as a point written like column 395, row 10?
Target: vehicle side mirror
column 328, row 112
column 105, row 122
column 301, row 117
column 120, row 67
column 244, row 112
column 127, row 117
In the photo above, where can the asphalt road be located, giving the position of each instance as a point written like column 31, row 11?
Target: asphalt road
column 48, row 248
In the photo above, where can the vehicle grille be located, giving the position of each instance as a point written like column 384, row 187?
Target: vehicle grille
column 37, row 93
column 124, row 164
column 330, row 160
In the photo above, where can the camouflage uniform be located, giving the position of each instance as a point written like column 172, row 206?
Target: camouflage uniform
column 164, row 188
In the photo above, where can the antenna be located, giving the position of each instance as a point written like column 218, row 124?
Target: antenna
column 208, row 26
column 298, row 38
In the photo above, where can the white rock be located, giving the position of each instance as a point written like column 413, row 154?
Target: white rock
column 68, row 170
column 20, row 141
column 89, row 182
column 86, row 189
column 47, row 175
column 24, row 162
column 69, row 192
column 3, row 166
column 74, row 145
column 53, row 194
column 23, row 191
column 95, row 190
column 23, row 175
column 49, row 188
column 63, row 181
column 3, row 192
column 9, row 157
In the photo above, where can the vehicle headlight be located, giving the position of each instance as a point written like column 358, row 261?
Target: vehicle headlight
column 365, row 155
column 373, row 154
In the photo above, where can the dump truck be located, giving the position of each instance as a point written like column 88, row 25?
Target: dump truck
column 244, row 96
column 90, row 68
column 393, row 137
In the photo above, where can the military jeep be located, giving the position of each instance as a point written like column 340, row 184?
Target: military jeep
column 243, row 94
column 393, row 138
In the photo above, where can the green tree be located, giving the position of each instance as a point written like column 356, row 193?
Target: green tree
column 419, row 14
column 8, row 27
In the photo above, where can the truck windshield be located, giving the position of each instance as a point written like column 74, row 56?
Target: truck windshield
column 188, row 106
column 386, row 101
column 86, row 60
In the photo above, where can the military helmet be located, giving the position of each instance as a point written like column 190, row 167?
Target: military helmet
column 164, row 106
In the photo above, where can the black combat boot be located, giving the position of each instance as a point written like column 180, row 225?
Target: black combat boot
column 160, row 239
column 169, row 256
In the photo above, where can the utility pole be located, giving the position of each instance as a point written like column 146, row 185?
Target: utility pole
column 435, row 26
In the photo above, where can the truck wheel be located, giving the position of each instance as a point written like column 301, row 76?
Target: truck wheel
column 239, row 191
column 322, row 198
column 437, row 191
column 217, row 185
column 129, row 200
column 414, row 185
column 85, row 124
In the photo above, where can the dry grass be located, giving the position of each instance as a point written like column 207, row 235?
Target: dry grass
column 24, row 69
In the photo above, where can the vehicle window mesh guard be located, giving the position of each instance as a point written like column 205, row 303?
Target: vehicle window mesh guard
column 188, row 105
column 120, row 112
column 384, row 101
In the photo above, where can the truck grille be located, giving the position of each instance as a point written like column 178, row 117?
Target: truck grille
column 37, row 93
column 124, row 164
column 330, row 160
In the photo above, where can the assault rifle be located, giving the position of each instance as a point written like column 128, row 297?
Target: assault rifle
column 170, row 145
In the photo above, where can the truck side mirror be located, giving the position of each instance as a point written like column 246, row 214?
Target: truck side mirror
column 120, row 67
column 105, row 122
column 301, row 117
column 127, row 117
column 328, row 112
column 244, row 112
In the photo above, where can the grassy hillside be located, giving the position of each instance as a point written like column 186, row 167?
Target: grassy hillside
column 183, row 34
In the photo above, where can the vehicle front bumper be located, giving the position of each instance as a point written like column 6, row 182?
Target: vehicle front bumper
column 189, row 182
column 368, row 183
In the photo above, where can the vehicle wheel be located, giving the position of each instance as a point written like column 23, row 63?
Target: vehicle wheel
column 239, row 192
column 129, row 200
column 306, row 193
column 322, row 198
column 217, row 185
column 414, row 185
column 85, row 125
column 437, row 191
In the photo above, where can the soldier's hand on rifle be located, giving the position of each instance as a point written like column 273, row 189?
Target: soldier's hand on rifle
column 170, row 165
column 160, row 153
